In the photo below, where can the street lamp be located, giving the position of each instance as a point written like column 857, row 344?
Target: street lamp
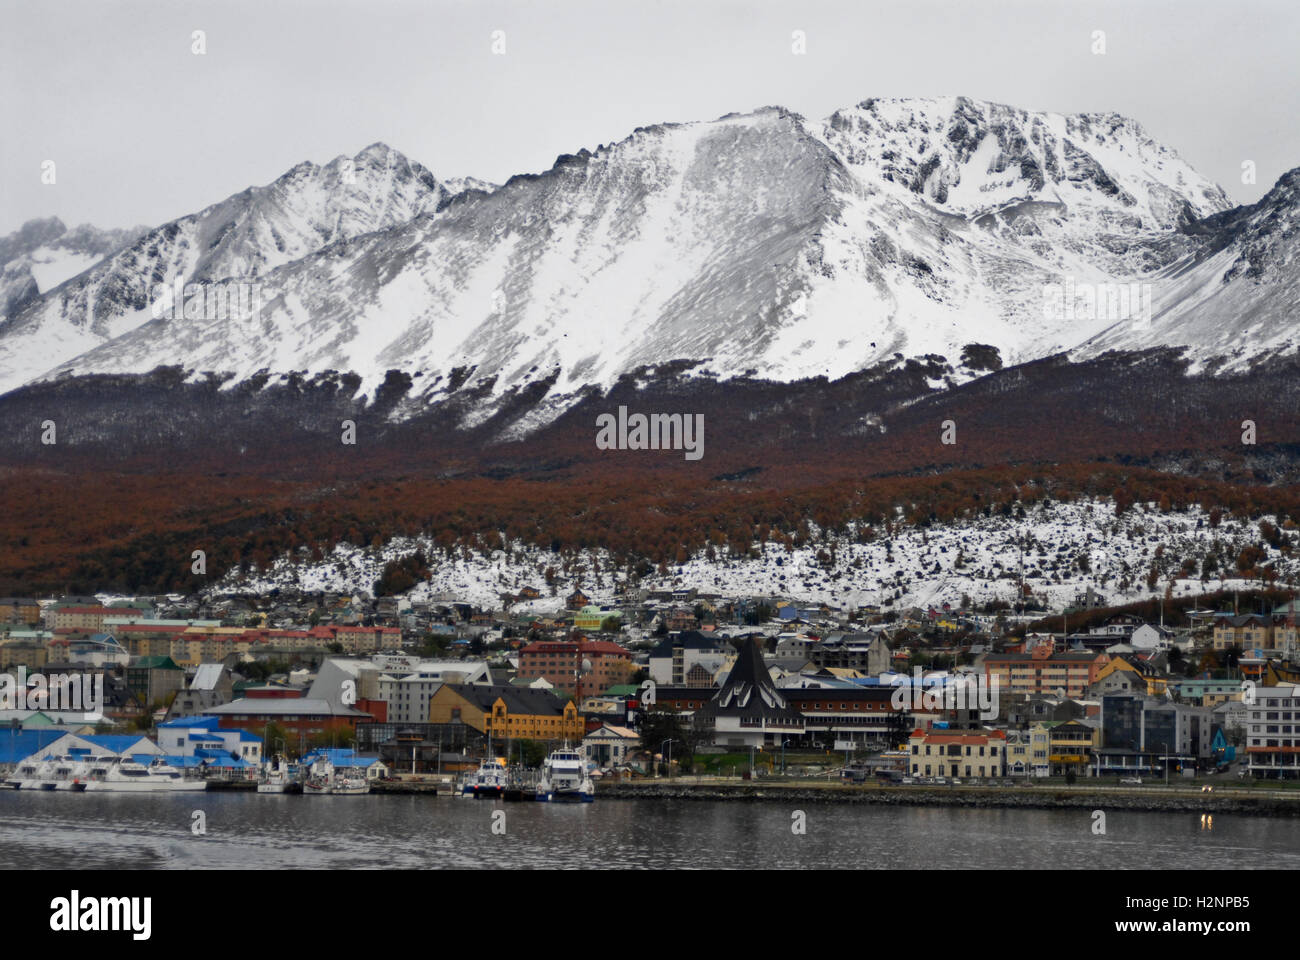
column 670, row 741
column 783, row 743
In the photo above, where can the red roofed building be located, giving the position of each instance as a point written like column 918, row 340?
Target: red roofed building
column 559, row 662
column 146, row 639
column 90, row 618
column 356, row 640
column 957, row 753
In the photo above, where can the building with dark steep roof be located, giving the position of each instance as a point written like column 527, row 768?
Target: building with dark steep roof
column 749, row 711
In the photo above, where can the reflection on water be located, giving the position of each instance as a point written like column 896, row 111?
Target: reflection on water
column 50, row 830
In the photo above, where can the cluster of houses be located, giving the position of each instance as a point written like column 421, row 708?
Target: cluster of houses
column 427, row 689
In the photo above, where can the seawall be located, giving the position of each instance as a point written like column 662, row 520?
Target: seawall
column 1158, row 800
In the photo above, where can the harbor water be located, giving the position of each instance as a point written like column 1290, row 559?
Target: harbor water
column 248, row 830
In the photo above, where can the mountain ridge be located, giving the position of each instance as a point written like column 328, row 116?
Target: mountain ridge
column 756, row 244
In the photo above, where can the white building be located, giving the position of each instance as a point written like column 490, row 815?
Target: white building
column 408, row 693
column 610, row 745
column 1150, row 638
column 1273, row 732
column 671, row 661
column 202, row 737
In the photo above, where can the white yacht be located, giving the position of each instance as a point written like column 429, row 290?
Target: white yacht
column 51, row 773
column 490, row 780
column 102, row 774
column 124, row 775
column 565, row 779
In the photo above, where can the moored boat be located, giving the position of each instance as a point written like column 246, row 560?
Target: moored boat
column 102, row 775
column 320, row 779
column 350, row 785
column 274, row 777
column 490, row 780
column 325, row 779
column 124, row 775
column 565, row 779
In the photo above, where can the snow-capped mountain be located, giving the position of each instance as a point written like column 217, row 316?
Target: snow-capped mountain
column 242, row 237
column 1236, row 297
column 760, row 243
column 43, row 253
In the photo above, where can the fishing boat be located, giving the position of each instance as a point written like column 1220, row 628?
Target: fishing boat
column 350, row 785
column 490, row 780
column 324, row 779
column 565, row 779
column 320, row 779
column 274, row 777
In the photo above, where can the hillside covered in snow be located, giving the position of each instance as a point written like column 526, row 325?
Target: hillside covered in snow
column 1056, row 549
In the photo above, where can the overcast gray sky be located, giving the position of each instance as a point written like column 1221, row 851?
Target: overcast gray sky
column 143, row 131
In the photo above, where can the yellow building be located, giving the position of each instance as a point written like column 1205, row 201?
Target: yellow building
column 1027, row 751
column 1070, row 747
column 1247, row 631
column 208, row 644
column 23, row 653
column 507, row 712
column 1143, row 673
column 957, row 753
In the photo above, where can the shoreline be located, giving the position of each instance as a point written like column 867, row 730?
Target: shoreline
column 1037, row 797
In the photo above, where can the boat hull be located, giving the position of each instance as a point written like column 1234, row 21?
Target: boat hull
column 566, row 796
column 180, row 786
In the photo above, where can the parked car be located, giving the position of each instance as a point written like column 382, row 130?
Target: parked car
column 943, row 780
column 956, row 782
column 909, row 780
column 1134, row 780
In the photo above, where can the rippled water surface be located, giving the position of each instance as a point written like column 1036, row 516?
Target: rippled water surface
column 47, row 830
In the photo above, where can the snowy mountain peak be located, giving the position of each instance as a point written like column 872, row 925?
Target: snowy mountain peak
column 43, row 253
column 1235, row 297
column 243, row 237
column 756, row 244
column 979, row 159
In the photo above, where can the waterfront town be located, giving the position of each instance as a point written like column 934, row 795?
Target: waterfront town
column 671, row 683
